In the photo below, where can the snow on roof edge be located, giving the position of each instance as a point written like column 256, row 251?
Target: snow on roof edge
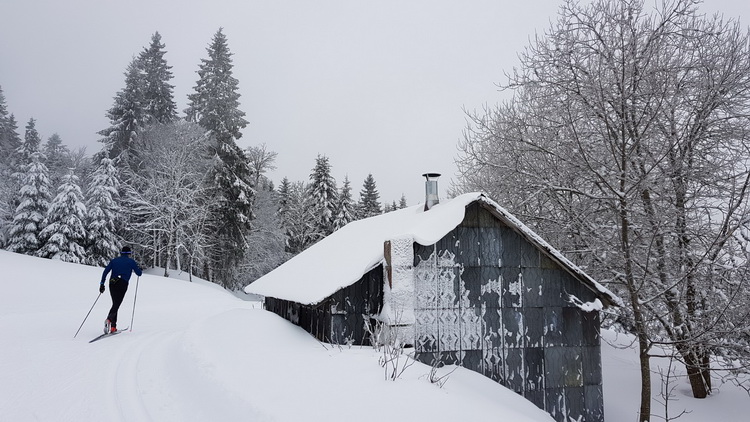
column 315, row 274
column 553, row 253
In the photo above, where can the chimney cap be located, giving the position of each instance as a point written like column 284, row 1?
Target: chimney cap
column 430, row 175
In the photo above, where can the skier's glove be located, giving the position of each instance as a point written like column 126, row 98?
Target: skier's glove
column 101, row 288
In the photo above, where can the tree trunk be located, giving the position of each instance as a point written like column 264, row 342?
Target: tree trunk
column 699, row 372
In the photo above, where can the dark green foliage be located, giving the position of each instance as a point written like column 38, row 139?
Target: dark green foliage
column 368, row 199
column 158, row 102
column 126, row 117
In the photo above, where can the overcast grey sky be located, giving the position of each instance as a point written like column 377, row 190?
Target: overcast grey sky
column 378, row 86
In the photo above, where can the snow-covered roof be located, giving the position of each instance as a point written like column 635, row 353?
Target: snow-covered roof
column 342, row 258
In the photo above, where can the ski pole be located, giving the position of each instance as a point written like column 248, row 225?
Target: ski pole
column 87, row 315
column 135, row 297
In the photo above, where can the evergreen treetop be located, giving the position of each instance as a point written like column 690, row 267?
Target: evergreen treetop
column 324, row 194
column 125, row 116
column 31, row 142
column 345, row 209
column 214, row 104
column 158, row 98
column 368, row 198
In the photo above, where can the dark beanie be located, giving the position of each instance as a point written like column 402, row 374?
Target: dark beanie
column 125, row 249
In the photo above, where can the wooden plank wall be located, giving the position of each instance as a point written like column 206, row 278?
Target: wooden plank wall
column 491, row 302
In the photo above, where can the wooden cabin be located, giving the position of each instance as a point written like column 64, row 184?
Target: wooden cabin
column 464, row 283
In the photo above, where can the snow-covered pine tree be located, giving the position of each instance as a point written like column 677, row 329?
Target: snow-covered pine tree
column 125, row 117
column 9, row 186
column 102, row 211
column 215, row 102
column 12, row 141
column 368, row 199
column 9, row 139
column 158, row 98
column 300, row 224
column 31, row 142
column 324, row 195
column 57, row 157
column 64, row 234
column 402, row 202
column 283, row 206
column 215, row 106
column 23, row 236
column 345, row 207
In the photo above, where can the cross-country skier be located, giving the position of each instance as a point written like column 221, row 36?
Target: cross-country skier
column 121, row 267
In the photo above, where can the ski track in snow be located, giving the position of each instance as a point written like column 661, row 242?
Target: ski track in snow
column 127, row 392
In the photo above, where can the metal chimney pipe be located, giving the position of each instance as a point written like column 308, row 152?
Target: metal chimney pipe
column 431, row 190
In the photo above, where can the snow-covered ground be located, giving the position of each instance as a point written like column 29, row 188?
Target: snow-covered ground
column 198, row 353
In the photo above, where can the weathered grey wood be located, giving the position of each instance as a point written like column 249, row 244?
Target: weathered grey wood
column 490, row 301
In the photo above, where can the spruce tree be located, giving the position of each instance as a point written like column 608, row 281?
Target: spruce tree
column 29, row 216
column 125, row 117
column 215, row 102
column 102, row 213
column 9, row 139
column 4, row 116
column 402, row 202
column 345, row 208
column 158, row 98
column 283, row 207
column 300, row 223
column 215, row 106
column 10, row 143
column 57, row 158
column 324, row 195
column 368, row 199
column 31, row 142
column 64, row 234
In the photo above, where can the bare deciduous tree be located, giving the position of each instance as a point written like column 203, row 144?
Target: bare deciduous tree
column 626, row 144
column 260, row 160
column 167, row 199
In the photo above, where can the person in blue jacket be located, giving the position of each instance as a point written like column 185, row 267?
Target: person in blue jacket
column 121, row 267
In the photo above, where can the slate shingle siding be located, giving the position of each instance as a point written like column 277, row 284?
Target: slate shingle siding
column 490, row 301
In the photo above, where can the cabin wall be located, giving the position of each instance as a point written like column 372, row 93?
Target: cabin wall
column 340, row 318
column 490, row 301
column 352, row 306
column 312, row 319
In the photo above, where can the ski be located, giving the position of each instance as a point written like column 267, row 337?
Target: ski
column 101, row 336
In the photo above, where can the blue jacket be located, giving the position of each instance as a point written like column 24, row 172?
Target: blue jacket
column 121, row 266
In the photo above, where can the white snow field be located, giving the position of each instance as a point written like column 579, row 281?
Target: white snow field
column 198, row 353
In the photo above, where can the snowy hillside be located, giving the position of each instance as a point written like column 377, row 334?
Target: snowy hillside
column 197, row 353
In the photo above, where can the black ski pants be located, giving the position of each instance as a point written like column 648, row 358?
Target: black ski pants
column 117, row 288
